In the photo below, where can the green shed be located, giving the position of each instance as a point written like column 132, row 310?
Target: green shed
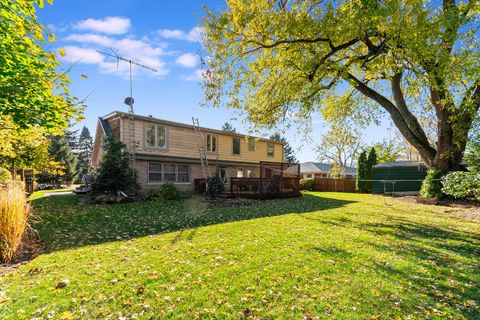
column 400, row 177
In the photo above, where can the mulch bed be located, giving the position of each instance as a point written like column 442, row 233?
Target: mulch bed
column 30, row 248
column 464, row 209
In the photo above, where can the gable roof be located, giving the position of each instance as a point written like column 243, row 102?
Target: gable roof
column 321, row 167
column 184, row 125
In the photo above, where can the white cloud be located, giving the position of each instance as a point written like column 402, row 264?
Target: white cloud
column 85, row 55
column 109, row 25
column 196, row 76
column 192, row 36
column 91, row 38
column 188, row 60
column 141, row 51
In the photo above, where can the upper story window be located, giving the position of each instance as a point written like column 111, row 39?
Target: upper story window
column 211, row 142
column 270, row 149
column 236, row 145
column 251, row 145
column 155, row 136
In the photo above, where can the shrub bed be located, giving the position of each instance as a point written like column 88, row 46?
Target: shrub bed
column 307, row 184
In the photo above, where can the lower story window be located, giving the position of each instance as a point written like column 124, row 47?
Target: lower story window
column 168, row 172
column 239, row 172
column 249, row 172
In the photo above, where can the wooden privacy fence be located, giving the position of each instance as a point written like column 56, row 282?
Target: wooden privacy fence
column 334, row 185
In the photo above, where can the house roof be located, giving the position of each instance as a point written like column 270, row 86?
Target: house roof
column 105, row 126
column 168, row 122
column 399, row 164
column 321, row 167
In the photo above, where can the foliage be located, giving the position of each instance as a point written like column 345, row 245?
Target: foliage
column 388, row 151
column 371, row 161
column 472, row 155
column 307, row 184
column 362, row 172
column 187, row 259
column 462, row 185
column 281, row 61
column 32, row 91
column 336, row 171
column 5, row 176
column 288, row 152
column 432, row 185
column 228, row 127
column 339, row 145
column 14, row 212
column 62, row 156
column 84, row 151
column 22, row 148
column 169, row 191
column 215, row 186
column 114, row 173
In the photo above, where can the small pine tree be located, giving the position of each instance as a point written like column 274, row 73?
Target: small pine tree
column 84, row 152
column 114, row 173
column 62, row 154
column 371, row 161
column 227, row 127
column 360, row 185
column 288, row 152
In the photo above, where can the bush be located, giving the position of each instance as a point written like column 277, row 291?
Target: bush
column 461, row 185
column 432, row 185
column 307, row 184
column 14, row 211
column 5, row 176
column 169, row 191
column 215, row 186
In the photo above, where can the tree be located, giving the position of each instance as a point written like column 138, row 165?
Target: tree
column 339, row 145
column 280, row 60
column 288, row 152
column 84, row 151
column 388, row 151
column 114, row 173
column 336, row 170
column 22, row 148
column 362, row 172
column 62, row 154
column 227, row 127
column 32, row 91
column 371, row 161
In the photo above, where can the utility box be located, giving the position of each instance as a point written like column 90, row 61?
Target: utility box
column 398, row 177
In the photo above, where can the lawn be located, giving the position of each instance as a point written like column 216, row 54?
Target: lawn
column 326, row 255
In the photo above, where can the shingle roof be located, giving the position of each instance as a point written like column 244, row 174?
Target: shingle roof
column 322, row 167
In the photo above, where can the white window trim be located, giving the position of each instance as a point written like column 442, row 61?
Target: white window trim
column 239, row 146
column 206, row 142
column 155, row 136
column 273, row 153
column 162, row 181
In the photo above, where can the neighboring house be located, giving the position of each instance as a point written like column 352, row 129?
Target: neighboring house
column 322, row 170
column 167, row 151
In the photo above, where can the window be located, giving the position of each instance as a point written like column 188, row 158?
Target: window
column 249, row 172
column 211, row 143
column 239, row 172
column 270, row 149
column 236, row 145
column 224, row 174
column 183, row 173
column 251, row 145
column 171, row 172
column 155, row 136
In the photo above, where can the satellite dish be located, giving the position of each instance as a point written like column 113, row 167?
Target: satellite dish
column 129, row 101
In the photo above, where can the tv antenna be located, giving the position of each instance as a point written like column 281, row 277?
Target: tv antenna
column 129, row 101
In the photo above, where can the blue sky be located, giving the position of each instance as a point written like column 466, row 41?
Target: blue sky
column 161, row 34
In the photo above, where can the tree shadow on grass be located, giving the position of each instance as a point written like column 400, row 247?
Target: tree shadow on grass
column 445, row 264
column 63, row 222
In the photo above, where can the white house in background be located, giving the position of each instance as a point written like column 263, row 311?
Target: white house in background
column 322, row 170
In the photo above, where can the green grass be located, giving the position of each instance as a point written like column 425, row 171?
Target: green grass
column 330, row 255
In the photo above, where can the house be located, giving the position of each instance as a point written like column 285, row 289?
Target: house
column 322, row 170
column 167, row 151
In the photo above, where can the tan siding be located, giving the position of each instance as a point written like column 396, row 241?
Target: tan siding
column 181, row 142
